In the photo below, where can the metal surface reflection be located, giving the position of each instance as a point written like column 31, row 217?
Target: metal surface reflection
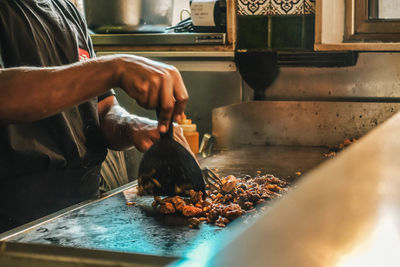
column 381, row 247
column 345, row 213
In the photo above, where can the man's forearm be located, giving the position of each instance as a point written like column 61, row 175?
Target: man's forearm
column 29, row 93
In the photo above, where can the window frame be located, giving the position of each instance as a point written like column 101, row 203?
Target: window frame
column 337, row 29
column 360, row 27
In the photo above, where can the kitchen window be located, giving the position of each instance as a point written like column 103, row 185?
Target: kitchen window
column 374, row 20
column 358, row 25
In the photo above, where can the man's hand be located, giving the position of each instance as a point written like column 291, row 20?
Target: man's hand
column 123, row 130
column 143, row 132
column 153, row 85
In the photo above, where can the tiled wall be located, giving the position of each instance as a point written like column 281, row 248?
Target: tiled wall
column 276, row 24
column 276, row 7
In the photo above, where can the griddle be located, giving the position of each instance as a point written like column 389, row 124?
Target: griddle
column 110, row 224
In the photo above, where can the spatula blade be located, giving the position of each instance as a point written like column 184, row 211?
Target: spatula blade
column 168, row 168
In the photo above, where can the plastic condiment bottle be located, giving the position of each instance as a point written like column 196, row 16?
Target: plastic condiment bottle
column 190, row 133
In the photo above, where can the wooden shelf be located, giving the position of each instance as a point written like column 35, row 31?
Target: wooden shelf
column 231, row 6
column 358, row 47
column 193, row 48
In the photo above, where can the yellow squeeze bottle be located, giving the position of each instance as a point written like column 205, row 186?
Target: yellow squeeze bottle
column 191, row 134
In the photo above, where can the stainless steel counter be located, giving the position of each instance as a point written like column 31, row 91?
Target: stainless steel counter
column 345, row 213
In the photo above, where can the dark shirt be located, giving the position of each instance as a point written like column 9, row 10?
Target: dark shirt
column 52, row 163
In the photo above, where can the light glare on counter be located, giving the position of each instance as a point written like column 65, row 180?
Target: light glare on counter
column 381, row 249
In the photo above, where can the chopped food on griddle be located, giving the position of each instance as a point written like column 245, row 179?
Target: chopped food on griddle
column 333, row 150
column 236, row 197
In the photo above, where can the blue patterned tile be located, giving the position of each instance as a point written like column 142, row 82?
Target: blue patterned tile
column 254, row 7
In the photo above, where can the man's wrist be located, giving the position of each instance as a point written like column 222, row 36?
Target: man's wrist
column 114, row 65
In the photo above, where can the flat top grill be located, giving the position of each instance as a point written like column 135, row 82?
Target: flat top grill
column 110, row 224
column 281, row 161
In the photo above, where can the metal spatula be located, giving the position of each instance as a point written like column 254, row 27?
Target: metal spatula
column 168, row 168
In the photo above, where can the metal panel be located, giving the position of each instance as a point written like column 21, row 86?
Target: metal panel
column 375, row 75
column 296, row 123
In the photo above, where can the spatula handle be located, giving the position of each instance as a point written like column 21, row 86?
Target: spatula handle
column 170, row 131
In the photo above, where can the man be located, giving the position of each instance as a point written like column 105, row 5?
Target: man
column 58, row 115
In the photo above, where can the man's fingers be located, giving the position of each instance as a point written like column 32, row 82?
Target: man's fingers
column 181, row 96
column 167, row 103
column 154, row 85
column 145, row 144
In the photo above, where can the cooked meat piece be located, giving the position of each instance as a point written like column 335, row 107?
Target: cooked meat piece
column 266, row 194
column 274, row 187
column 260, row 180
column 228, row 183
column 242, row 186
column 216, row 197
column 167, row 208
column 191, row 211
column 196, row 197
column 194, row 223
column 212, row 216
column 274, row 180
column 227, row 198
column 337, row 148
column 207, row 202
column 232, row 211
column 178, row 202
column 254, row 197
column 247, row 205
column 222, row 220
column 260, row 201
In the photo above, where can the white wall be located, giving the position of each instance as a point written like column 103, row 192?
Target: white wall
column 389, row 9
column 178, row 6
